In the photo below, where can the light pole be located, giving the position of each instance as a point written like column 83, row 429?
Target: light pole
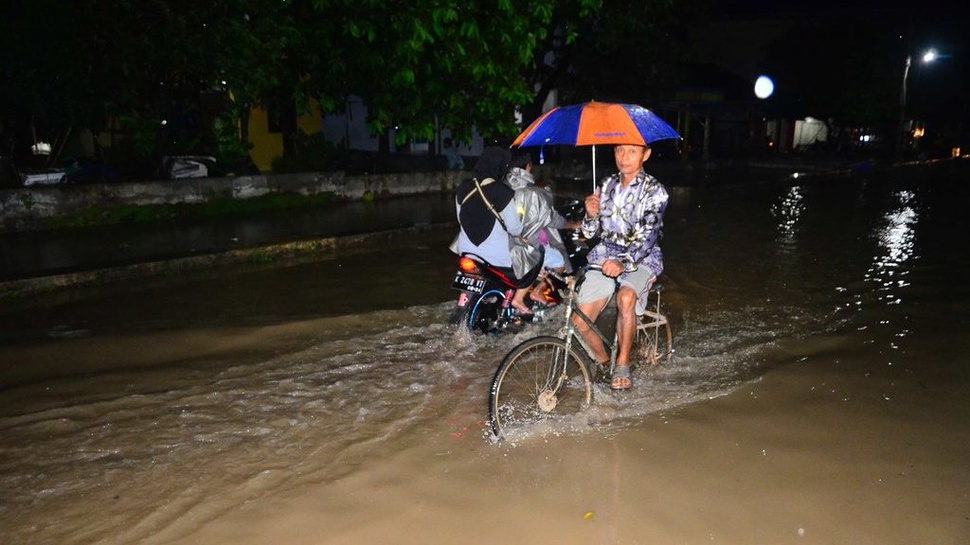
column 929, row 56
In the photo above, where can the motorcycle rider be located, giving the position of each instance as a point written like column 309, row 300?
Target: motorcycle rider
column 540, row 239
column 486, row 210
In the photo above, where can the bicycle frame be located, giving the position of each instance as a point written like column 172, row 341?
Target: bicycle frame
column 654, row 320
column 535, row 379
column 568, row 332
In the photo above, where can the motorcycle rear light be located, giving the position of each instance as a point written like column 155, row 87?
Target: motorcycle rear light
column 468, row 265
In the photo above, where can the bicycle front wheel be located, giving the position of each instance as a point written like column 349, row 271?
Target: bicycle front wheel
column 539, row 379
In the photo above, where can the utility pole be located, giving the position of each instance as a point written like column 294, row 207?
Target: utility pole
column 901, row 128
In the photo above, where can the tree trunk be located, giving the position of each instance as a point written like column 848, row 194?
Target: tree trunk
column 383, row 151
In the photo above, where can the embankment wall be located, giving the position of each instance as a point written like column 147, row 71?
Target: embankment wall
column 29, row 208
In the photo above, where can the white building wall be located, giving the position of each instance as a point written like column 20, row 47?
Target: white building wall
column 351, row 129
column 808, row 131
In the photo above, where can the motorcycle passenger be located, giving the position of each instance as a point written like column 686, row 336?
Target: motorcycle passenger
column 540, row 239
column 486, row 210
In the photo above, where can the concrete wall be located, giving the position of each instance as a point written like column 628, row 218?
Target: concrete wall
column 27, row 208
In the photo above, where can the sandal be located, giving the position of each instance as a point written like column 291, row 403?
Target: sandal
column 621, row 378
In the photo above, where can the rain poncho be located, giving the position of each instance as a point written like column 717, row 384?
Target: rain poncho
column 540, row 222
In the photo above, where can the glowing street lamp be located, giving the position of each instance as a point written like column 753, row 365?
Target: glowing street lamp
column 763, row 87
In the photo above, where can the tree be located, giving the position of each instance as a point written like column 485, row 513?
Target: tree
column 156, row 69
column 40, row 68
column 450, row 64
column 628, row 51
column 177, row 76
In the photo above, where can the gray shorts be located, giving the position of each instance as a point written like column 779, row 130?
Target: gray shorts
column 597, row 286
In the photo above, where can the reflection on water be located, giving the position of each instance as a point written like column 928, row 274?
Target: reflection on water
column 897, row 239
column 787, row 212
column 229, row 387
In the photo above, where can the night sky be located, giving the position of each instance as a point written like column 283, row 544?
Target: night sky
column 940, row 90
column 930, row 9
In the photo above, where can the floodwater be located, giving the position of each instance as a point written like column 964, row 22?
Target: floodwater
column 37, row 253
column 330, row 402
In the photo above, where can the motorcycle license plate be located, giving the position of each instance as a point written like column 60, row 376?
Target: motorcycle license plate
column 465, row 282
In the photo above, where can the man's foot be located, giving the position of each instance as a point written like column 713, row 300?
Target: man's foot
column 541, row 298
column 621, row 378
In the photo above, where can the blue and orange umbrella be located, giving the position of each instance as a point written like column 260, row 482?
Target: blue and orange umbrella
column 596, row 123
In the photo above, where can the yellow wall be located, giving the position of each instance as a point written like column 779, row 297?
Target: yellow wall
column 267, row 146
column 312, row 121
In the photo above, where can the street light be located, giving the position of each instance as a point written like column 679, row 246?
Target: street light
column 763, row 87
column 929, row 56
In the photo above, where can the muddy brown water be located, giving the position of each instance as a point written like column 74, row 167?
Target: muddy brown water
column 329, row 402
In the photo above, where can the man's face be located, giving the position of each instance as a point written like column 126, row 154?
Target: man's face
column 629, row 159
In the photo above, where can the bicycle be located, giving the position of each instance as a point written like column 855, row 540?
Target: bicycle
column 550, row 376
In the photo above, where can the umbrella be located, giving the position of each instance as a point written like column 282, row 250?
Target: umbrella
column 594, row 123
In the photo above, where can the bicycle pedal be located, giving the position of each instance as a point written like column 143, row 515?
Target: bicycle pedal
column 599, row 374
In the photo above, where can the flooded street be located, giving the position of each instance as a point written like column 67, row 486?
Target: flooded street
column 818, row 393
column 36, row 253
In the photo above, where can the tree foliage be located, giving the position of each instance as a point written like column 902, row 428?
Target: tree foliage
column 162, row 70
column 630, row 51
column 156, row 69
column 428, row 63
column 622, row 51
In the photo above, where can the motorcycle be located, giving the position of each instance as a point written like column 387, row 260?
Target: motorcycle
column 485, row 300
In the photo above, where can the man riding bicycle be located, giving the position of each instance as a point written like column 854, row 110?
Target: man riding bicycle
column 627, row 213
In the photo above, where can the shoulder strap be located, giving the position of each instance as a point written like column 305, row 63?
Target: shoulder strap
column 488, row 203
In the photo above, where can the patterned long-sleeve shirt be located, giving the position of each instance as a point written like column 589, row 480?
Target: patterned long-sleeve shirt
column 629, row 223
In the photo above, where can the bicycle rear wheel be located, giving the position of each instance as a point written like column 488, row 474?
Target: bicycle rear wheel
column 654, row 342
column 539, row 379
